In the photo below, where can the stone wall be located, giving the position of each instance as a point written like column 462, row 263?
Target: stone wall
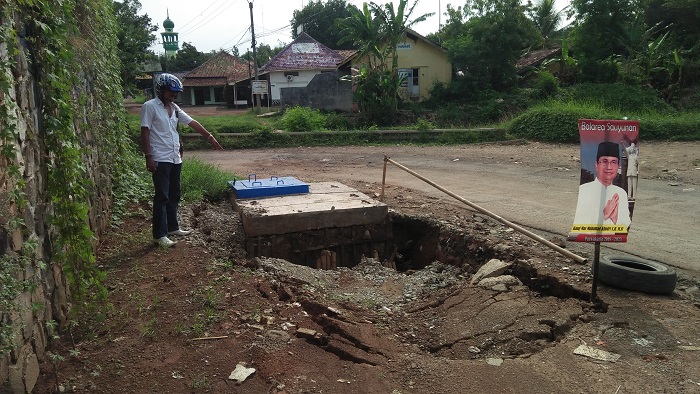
column 19, row 368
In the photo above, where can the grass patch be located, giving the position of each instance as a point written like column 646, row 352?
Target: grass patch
column 242, row 123
column 203, row 181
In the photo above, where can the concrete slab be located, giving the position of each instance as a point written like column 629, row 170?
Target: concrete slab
column 328, row 204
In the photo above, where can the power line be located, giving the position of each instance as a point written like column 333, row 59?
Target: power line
column 200, row 14
column 209, row 18
column 242, row 35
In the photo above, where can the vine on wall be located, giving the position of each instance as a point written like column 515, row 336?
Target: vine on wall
column 12, row 196
column 72, row 50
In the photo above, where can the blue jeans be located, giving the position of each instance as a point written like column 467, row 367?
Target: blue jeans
column 166, row 182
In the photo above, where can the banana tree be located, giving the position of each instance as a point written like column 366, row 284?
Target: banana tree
column 568, row 65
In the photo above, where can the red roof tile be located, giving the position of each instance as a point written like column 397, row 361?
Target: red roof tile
column 222, row 68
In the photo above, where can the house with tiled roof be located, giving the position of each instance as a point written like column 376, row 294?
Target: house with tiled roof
column 222, row 80
column 309, row 73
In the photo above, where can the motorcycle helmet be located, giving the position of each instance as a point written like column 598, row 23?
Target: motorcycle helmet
column 167, row 81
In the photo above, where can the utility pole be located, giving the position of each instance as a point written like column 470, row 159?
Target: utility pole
column 256, row 103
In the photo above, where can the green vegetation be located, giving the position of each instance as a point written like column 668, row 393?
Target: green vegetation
column 10, row 288
column 544, row 112
column 616, row 61
column 208, row 299
column 298, row 119
column 203, row 181
column 376, row 31
column 63, row 48
column 245, row 123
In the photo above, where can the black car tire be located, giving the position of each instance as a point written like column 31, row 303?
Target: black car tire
column 637, row 274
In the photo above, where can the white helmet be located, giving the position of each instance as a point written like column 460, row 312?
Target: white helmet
column 167, row 81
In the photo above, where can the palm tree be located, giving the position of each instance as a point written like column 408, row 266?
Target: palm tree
column 547, row 20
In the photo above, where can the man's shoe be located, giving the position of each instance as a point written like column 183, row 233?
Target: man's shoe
column 180, row 232
column 164, row 242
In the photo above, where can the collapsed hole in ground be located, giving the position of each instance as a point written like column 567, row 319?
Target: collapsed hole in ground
column 408, row 243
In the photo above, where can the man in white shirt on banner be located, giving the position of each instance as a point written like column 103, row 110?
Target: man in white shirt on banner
column 599, row 201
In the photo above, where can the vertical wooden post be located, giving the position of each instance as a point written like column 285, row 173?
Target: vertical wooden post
column 596, row 260
column 381, row 198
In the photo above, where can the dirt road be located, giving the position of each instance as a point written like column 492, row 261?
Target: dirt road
column 532, row 184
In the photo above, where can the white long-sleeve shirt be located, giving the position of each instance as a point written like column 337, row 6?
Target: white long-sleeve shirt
column 163, row 135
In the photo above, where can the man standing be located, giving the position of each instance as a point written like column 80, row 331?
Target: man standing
column 632, row 170
column 160, row 142
column 600, row 202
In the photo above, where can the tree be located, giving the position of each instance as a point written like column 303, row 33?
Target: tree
column 394, row 24
column 594, row 37
column 376, row 31
column 318, row 19
column 187, row 58
column 485, row 39
column 683, row 18
column 264, row 53
column 547, row 21
column 683, row 21
column 135, row 35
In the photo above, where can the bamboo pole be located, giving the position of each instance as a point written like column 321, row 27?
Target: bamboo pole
column 559, row 249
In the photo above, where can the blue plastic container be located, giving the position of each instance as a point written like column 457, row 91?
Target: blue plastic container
column 275, row 186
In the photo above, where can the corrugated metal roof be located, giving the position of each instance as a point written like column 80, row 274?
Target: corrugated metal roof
column 304, row 53
column 220, row 69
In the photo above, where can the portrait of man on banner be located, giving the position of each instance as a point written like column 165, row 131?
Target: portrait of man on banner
column 604, row 207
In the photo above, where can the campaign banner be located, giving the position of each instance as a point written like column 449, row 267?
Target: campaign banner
column 608, row 187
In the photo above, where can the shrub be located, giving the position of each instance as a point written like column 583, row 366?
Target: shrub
column 336, row 121
column 554, row 121
column 423, row 124
column 558, row 122
column 623, row 98
column 450, row 115
column 547, row 84
column 297, row 119
column 683, row 127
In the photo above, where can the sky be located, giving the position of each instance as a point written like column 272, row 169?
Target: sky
column 211, row 25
